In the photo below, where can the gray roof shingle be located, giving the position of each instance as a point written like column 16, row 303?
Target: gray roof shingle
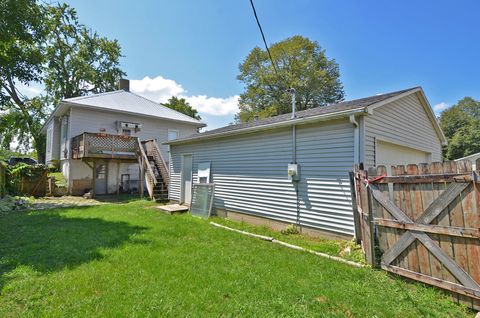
column 125, row 101
column 317, row 111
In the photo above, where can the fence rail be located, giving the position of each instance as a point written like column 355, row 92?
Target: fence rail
column 422, row 222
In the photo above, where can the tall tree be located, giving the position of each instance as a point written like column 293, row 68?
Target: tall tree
column 22, row 34
column 461, row 125
column 182, row 106
column 50, row 47
column 301, row 64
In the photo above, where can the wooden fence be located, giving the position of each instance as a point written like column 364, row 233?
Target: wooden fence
column 423, row 222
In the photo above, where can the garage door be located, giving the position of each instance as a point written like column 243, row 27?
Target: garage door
column 391, row 154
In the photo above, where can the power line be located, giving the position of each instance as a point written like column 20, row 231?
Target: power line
column 263, row 37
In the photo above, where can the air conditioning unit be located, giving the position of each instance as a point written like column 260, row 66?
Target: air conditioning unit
column 125, row 125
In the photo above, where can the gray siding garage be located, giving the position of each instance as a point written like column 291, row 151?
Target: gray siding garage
column 248, row 162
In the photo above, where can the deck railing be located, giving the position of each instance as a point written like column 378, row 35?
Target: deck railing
column 101, row 145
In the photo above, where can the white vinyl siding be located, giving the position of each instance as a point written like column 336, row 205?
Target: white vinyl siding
column 250, row 174
column 403, row 122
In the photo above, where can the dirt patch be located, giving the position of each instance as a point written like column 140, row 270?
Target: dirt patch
column 62, row 202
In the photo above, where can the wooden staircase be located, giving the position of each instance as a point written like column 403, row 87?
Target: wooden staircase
column 156, row 171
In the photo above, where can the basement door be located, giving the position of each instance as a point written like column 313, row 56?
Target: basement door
column 101, row 179
column 187, row 164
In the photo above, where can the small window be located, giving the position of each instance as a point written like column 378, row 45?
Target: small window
column 126, row 132
column 172, row 134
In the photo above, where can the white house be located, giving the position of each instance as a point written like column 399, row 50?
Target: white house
column 97, row 138
column 249, row 162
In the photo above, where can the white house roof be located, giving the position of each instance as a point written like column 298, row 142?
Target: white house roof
column 128, row 102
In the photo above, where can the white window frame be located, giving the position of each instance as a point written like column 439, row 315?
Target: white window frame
column 173, row 130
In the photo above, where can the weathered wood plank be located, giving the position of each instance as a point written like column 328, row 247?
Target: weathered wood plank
column 457, row 271
column 442, row 202
column 445, row 242
column 434, row 229
column 371, row 230
column 386, row 235
column 399, row 202
column 417, row 209
column 460, row 253
column 396, row 212
column 438, row 178
column 433, row 281
column 426, row 190
column 402, row 243
column 411, row 251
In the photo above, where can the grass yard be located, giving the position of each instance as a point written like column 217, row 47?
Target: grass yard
column 120, row 260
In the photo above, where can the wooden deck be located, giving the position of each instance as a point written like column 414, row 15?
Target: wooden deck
column 104, row 146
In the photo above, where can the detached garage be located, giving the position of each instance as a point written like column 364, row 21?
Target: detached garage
column 294, row 169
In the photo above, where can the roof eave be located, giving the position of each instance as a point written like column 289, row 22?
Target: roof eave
column 286, row 123
column 198, row 124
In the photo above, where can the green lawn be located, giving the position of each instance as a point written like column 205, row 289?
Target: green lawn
column 128, row 259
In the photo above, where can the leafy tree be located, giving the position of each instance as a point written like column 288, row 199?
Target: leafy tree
column 182, row 106
column 301, row 64
column 461, row 125
column 78, row 61
column 21, row 37
column 46, row 44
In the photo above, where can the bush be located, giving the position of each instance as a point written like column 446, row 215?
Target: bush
column 11, row 204
column 21, row 171
column 290, row 229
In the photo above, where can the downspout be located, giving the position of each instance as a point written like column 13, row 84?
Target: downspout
column 356, row 139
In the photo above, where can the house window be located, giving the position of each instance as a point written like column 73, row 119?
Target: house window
column 172, row 134
column 126, row 132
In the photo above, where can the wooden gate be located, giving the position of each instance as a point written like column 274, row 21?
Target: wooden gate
column 423, row 222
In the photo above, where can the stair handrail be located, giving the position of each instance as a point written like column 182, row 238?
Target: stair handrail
column 166, row 174
column 148, row 172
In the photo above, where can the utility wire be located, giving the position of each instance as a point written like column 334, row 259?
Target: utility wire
column 263, row 37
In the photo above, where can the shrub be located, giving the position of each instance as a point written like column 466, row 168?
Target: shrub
column 21, row 171
column 290, row 230
column 11, row 204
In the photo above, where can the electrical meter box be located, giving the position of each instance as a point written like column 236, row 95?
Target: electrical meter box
column 293, row 172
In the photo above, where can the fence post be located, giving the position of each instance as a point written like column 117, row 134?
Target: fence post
column 371, row 226
column 356, row 218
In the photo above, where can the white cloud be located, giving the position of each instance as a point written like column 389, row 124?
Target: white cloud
column 440, row 107
column 214, row 105
column 160, row 89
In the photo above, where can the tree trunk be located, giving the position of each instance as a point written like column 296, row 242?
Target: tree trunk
column 40, row 147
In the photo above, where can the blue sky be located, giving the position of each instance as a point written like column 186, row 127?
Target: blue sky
column 193, row 48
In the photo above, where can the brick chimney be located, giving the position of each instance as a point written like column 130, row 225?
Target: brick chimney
column 124, row 84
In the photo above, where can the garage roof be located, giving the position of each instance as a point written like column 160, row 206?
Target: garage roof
column 341, row 109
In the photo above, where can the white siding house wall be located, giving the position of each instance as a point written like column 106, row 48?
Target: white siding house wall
column 82, row 119
column 403, row 122
column 53, row 141
column 250, row 174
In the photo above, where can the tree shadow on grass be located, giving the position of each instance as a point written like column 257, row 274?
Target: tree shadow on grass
column 48, row 241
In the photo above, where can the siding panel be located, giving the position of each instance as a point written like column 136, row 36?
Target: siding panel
column 404, row 122
column 250, row 174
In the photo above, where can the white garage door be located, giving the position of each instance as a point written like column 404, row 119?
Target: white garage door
column 391, row 154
